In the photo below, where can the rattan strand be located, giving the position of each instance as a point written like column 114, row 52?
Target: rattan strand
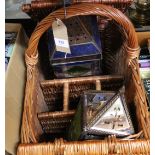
column 44, row 4
column 111, row 146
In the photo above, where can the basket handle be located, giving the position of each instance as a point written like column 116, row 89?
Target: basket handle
column 31, row 56
column 83, row 9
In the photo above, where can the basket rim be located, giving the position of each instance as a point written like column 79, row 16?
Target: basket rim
column 110, row 145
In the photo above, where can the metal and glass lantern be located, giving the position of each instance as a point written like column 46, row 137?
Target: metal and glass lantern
column 101, row 113
column 86, row 54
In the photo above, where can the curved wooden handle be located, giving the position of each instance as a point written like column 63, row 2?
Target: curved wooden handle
column 83, row 9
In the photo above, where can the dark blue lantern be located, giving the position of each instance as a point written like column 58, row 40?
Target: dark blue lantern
column 86, row 55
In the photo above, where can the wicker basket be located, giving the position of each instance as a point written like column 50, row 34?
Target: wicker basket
column 39, row 9
column 126, row 64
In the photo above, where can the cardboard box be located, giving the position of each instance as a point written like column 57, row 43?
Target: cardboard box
column 15, row 76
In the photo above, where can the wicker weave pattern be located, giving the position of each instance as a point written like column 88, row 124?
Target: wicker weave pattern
column 50, row 97
column 60, row 118
column 133, row 88
column 53, row 90
column 55, row 122
column 42, row 4
column 39, row 9
column 110, row 146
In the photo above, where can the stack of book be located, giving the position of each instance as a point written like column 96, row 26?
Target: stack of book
column 144, row 63
column 10, row 38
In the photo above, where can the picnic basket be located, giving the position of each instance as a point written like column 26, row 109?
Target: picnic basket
column 38, row 9
column 124, row 62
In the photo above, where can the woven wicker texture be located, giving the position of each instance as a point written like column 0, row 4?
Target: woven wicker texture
column 55, row 122
column 54, row 90
column 110, row 146
column 128, row 68
column 39, row 9
column 59, row 94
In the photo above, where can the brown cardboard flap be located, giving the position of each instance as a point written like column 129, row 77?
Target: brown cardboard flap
column 14, row 89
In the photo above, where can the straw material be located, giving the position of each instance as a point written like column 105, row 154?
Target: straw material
column 110, row 146
column 67, row 91
column 38, row 9
column 127, row 67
